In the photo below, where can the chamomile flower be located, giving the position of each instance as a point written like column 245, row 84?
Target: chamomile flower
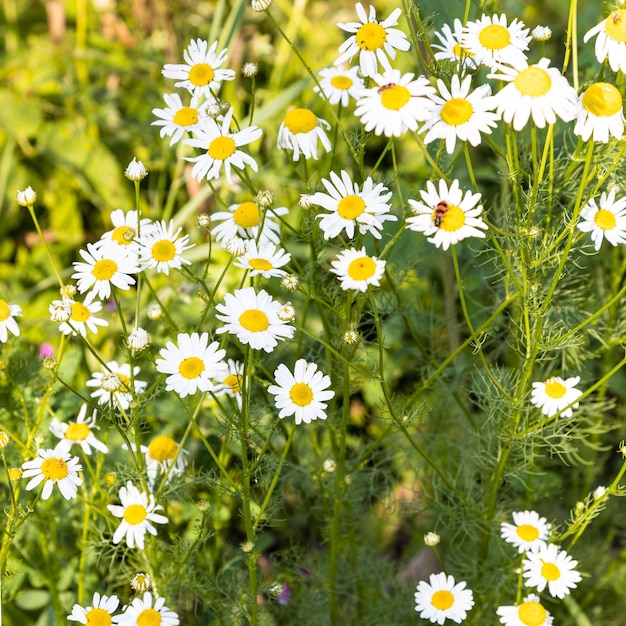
column 554, row 394
column 600, row 113
column 491, row 40
column 8, row 313
column 357, row 270
column 300, row 131
column 528, row 532
column 459, row 114
column 161, row 248
column 53, row 467
column 339, row 85
column 231, row 382
column 79, row 432
column 552, row 568
column 607, row 221
column 101, row 611
column 116, row 385
column 126, row 228
column 253, row 318
column 191, row 364
column 248, row 220
column 303, row 393
column 373, row 41
column 149, row 611
column 396, row 105
column 102, row 268
column 529, row 613
column 177, row 119
column 163, row 456
column 201, row 73
column 611, row 40
column 82, row 316
column 535, row 90
column 442, row 598
column 350, row 207
column 447, row 214
column 450, row 47
column 221, row 148
column 264, row 259
column 137, row 513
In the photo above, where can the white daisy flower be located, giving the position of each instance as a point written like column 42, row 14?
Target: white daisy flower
column 7, row 322
column 191, row 364
column 147, row 611
column 552, row 568
column 264, row 259
column 103, row 267
column 600, row 113
column 553, row 395
column 137, row 513
column 200, row 74
column 447, row 214
column 220, row 147
column 163, row 456
column 161, row 248
column 357, row 270
column 303, row 393
column 54, row 467
column 339, row 84
column 82, row 316
column 248, row 220
column 300, row 132
column 253, row 318
column 373, row 41
column 101, row 611
column 26, row 197
column 459, row 114
column 349, row 207
column 138, row 339
column 541, row 33
column 135, row 170
column 537, row 90
column 396, row 105
column 116, row 385
column 126, row 229
column 490, row 40
column 611, row 41
column 451, row 48
column 177, row 119
column 231, row 382
column 529, row 613
column 442, row 598
column 608, row 221
column 528, row 532
column 79, row 432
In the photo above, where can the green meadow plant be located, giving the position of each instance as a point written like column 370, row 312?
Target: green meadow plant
column 352, row 351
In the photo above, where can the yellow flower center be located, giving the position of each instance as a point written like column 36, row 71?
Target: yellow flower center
column 77, row 432
column 615, row 25
column 459, row 51
column 362, row 268
column 15, row 473
column 80, row 313
column 260, row 264
column 371, row 36
column 162, row 448
column 234, row 382
column 191, row 367
column 124, row 382
column 442, row 600
column 554, row 389
column 104, row 269
column 550, row 571
column 456, row 111
column 532, row 614
column 602, row 99
column 98, row 617
column 350, row 207
column 605, row 220
column 533, row 82
column 494, row 37
column 54, row 469
column 135, row 514
column 221, row 148
column 247, row 215
column 300, row 121
column 395, row 97
column 527, row 532
column 186, row 116
column 123, row 235
column 341, row 82
column 149, row 617
column 5, row 311
column 201, row 74
column 254, row 320
column 163, row 251
column 452, row 219
column 301, row 394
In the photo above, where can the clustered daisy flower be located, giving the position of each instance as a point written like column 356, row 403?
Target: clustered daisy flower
column 8, row 313
column 339, row 84
column 443, row 598
column 54, row 467
column 555, row 394
column 528, row 532
column 300, row 131
column 606, row 221
column 552, row 568
column 357, row 270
